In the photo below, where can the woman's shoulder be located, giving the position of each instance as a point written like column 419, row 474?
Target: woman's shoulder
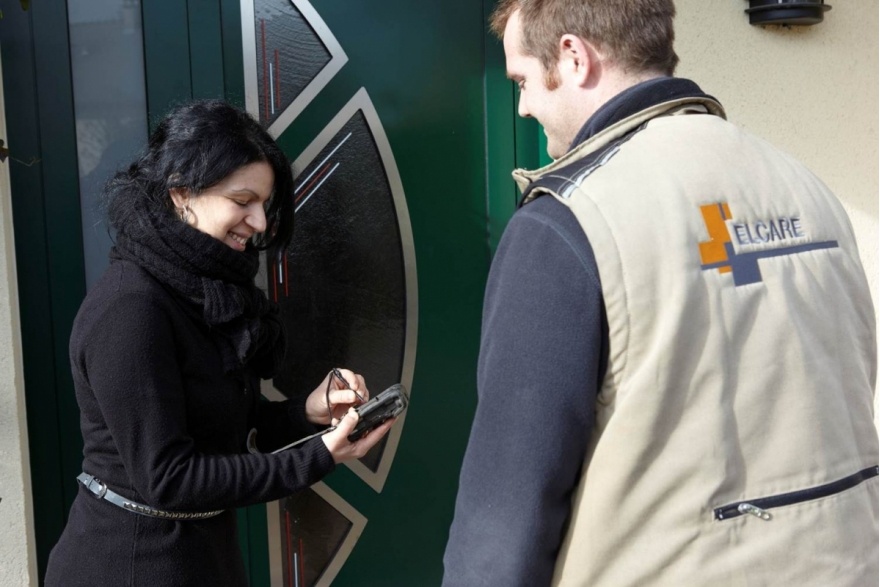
column 125, row 295
column 126, row 280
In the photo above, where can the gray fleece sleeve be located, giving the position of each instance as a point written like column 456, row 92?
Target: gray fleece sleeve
column 542, row 354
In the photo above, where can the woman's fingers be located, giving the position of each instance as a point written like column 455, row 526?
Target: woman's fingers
column 339, row 446
column 344, row 397
column 340, row 390
column 354, row 381
column 370, row 439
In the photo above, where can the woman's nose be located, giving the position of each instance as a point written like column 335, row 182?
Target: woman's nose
column 257, row 219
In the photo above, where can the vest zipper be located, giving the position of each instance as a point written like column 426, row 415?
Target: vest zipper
column 758, row 507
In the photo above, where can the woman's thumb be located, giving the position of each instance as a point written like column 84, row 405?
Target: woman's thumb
column 348, row 422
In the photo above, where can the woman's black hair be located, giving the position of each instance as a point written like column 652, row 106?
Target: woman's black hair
column 196, row 146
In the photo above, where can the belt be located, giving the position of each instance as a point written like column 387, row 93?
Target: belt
column 99, row 488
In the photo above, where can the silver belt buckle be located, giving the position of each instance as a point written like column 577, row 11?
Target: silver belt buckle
column 101, row 484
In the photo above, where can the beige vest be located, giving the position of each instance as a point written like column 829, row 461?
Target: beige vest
column 742, row 364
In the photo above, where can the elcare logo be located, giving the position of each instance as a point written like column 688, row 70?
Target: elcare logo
column 760, row 239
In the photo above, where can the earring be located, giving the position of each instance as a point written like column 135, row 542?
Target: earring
column 184, row 213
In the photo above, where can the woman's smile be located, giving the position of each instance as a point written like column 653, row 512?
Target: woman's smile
column 232, row 210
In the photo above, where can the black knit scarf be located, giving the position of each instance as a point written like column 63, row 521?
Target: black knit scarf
column 216, row 281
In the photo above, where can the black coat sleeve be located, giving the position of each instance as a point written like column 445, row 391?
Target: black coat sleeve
column 541, row 358
column 280, row 423
column 133, row 405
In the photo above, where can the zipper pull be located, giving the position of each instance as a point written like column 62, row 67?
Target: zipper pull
column 747, row 508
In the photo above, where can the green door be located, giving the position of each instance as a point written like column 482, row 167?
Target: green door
column 413, row 74
column 420, row 88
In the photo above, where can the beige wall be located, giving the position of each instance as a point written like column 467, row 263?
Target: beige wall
column 811, row 91
column 17, row 547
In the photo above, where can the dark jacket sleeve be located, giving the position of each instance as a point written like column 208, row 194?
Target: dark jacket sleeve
column 140, row 410
column 541, row 358
column 280, row 423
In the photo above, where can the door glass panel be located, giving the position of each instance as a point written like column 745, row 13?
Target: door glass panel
column 107, row 60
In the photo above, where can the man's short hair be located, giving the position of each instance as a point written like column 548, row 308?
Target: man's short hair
column 636, row 34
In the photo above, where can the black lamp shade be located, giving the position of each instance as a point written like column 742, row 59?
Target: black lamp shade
column 790, row 12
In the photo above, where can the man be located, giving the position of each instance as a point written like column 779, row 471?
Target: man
column 678, row 356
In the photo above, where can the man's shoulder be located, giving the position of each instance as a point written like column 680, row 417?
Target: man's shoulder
column 545, row 230
column 548, row 211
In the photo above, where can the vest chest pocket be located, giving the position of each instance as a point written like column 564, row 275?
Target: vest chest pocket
column 760, row 507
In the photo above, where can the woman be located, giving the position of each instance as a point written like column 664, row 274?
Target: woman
column 167, row 352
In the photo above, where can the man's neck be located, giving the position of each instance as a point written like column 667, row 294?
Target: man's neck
column 634, row 98
column 611, row 83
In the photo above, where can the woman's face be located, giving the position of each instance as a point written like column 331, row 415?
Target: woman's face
column 232, row 211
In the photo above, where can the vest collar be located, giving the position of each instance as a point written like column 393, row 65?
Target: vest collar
column 687, row 105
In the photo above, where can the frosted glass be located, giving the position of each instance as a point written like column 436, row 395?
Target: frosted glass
column 107, row 61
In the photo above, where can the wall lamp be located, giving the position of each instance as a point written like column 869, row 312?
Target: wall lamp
column 787, row 12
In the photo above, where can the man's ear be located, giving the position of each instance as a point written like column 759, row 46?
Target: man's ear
column 180, row 196
column 576, row 58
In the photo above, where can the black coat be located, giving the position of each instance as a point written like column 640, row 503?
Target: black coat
column 163, row 425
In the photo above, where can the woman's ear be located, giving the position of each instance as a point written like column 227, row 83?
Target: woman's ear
column 180, row 197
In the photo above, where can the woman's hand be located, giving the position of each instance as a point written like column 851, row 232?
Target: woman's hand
column 343, row 450
column 340, row 390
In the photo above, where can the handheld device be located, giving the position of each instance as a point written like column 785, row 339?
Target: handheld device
column 388, row 404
